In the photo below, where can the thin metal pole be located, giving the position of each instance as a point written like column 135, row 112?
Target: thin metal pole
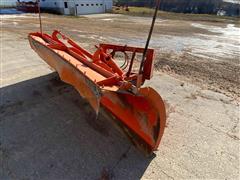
column 40, row 18
column 149, row 36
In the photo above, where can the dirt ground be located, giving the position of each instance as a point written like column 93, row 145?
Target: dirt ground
column 46, row 133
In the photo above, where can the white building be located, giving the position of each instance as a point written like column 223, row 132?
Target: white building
column 77, row 7
column 8, row 3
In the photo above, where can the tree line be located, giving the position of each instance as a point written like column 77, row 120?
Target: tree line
column 187, row 6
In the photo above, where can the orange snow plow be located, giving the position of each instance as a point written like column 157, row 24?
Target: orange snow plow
column 97, row 77
column 138, row 111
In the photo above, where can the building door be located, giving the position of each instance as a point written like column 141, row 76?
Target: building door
column 76, row 9
column 66, row 8
column 91, row 7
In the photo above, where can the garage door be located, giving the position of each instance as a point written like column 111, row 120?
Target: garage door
column 90, row 8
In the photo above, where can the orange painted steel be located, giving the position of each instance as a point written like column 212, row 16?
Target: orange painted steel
column 140, row 112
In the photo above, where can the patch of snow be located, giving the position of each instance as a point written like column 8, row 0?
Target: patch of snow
column 230, row 32
column 75, row 30
column 232, row 1
column 11, row 16
column 107, row 19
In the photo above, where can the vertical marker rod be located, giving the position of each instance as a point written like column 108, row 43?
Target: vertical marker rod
column 149, row 36
column 40, row 18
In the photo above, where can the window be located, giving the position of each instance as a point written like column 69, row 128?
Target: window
column 87, row 4
column 96, row 4
column 100, row 4
column 92, row 4
column 82, row 4
column 65, row 4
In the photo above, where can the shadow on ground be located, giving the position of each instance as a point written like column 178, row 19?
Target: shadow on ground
column 47, row 133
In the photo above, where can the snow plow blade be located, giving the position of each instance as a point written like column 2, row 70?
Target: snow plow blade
column 138, row 111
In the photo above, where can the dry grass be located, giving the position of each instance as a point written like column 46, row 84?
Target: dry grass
column 144, row 11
